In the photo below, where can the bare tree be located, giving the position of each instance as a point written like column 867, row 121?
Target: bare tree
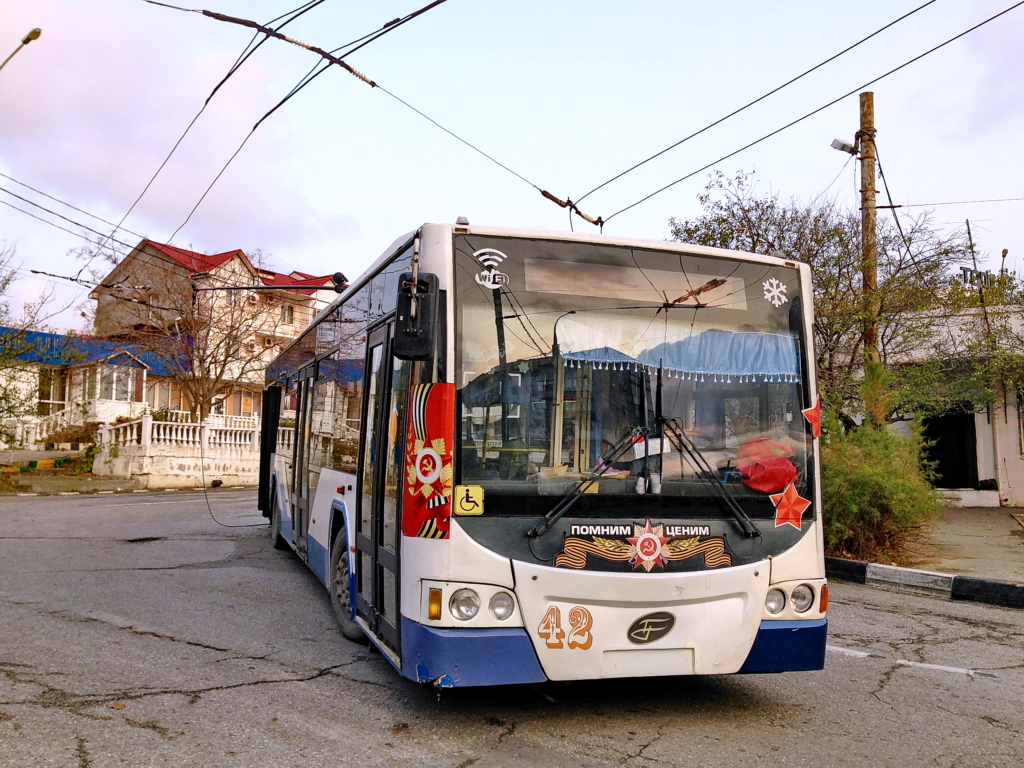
column 210, row 341
column 914, row 269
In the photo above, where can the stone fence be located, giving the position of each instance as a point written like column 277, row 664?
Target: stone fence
column 174, row 454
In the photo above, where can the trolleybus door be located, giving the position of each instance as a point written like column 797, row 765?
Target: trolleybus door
column 378, row 530
column 301, row 491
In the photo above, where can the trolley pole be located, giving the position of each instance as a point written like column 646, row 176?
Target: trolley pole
column 869, row 261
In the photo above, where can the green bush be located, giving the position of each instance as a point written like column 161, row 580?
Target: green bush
column 876, row 491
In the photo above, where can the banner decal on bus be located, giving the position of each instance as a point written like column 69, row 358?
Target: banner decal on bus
column 649, row 547
column 426, row 508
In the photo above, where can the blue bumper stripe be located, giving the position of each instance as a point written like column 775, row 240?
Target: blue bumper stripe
column 451, row 658
column 788, row 646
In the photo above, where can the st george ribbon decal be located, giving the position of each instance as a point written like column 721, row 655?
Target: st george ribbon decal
column 426, row 510
column 649, row 547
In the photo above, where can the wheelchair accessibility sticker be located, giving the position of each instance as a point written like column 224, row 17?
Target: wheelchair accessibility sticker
column 469, row 500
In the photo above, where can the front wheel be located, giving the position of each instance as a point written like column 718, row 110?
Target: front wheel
column 340, row 593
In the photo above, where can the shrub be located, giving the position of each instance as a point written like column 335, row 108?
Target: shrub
column 876, row 491
column 81, row 433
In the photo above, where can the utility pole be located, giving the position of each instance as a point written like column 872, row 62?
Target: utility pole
column 869, row 260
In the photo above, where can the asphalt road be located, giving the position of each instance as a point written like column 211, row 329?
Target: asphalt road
column 136, row 631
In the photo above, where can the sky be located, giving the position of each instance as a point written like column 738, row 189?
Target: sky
column 565, row 95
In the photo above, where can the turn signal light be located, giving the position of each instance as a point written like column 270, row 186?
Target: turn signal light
column 434, row 604
column 823, row 602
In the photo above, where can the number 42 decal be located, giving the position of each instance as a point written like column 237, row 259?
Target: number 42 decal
column 580, row 623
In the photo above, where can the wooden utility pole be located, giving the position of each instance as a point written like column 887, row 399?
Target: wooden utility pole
column 869, row 260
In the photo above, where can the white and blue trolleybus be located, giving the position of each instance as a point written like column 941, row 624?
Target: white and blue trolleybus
column 516, row 456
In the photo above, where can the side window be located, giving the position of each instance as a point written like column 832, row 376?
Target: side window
column 346, row 403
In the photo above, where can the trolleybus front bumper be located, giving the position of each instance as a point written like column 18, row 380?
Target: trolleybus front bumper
column 454, row 658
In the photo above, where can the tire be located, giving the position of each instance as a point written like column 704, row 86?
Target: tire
column 276, row 539
column 340, row 596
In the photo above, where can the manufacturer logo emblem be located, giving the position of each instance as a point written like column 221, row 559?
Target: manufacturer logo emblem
column 650, row 628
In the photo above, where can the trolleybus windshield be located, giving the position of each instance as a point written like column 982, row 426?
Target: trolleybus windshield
column 677, row 377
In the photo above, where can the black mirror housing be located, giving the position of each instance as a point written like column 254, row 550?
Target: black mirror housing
column 416, row 317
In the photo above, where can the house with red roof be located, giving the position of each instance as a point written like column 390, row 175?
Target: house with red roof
column 191, row 306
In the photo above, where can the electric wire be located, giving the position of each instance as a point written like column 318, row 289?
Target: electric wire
column 173, row 269
column 961, row 202
column 305, row 81
column 65, row 203
column 758, row 100
column 831, row 183
column 816, row 111
column 895, row 217
column 241, row 60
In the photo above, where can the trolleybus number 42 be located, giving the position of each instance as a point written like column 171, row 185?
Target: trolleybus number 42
column 580, row 623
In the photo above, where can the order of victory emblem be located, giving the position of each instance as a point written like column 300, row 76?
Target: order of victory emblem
column 647, row 546
column 428, row 491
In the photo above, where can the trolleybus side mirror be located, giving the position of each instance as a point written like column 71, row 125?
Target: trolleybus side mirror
column 416, row 317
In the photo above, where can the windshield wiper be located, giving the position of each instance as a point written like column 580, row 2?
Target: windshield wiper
column 682, row 444
column 573, row 494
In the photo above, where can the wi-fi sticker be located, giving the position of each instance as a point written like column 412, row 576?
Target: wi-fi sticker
column 489, row 258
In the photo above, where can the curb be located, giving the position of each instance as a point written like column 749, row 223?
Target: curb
column 101, row 492
column 952, row 587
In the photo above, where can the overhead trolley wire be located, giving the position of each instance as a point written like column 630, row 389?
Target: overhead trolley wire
column 238, row 63
column 329, row 56
column 816, row 111
column 757, row 100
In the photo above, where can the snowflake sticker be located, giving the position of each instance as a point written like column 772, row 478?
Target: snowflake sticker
column 774, row 291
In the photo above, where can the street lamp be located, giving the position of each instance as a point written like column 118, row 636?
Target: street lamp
column 33, row 35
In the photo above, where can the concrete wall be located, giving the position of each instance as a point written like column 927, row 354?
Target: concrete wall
column 173, row 455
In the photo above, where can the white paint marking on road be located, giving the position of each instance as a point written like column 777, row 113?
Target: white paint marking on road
column 937, row 667
column 905, row 662
column 849, row 652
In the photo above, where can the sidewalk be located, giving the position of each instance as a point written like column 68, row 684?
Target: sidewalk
column 973, row 553
column 21, row 458
column 984, row 542
column 47, row 481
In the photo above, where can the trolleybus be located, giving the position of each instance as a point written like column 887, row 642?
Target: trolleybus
column 515, row 456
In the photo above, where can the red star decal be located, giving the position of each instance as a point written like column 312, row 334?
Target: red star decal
column 647, row 546
column 789, row 507
column 813, row 416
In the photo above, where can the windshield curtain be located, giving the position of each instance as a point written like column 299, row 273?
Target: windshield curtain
column 578, row 360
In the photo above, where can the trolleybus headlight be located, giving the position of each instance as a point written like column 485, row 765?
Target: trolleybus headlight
column 465, row 604
column 803, row 598
column 775, row 601
column 502, row 605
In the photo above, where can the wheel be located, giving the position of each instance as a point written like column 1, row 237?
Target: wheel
column 340, row 595
column 275, row 525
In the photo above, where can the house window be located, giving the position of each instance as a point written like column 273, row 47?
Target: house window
column 164, row 395
column 89, row 384
column 52, row 391
column 287, row 314
column 118, row 382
